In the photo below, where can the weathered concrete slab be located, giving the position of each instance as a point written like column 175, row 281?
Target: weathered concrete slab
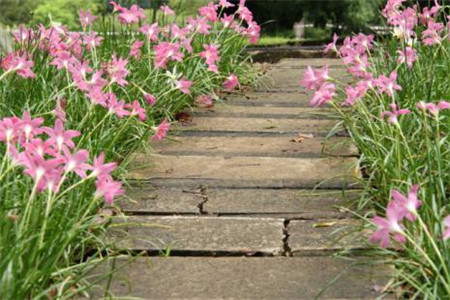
column 199, row 234
column 288, row 79
column 235, row 111
column 260, row 125
column 247, row 171
column 243, row 278
column 292, row 63
column 311, row 236
column 269, row 146
column 141, row 199
column 293, row 202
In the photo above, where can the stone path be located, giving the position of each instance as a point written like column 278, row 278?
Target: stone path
column 245, row 211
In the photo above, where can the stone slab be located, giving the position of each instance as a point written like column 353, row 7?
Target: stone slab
column 235, row 111
column 223, row 124
column 294, row 202
column 268, row 146
column 312, row 236
column 157, row 200
column 288, row 79
column 242, row 278
column 247, row 171
column 292, row 63
column 270, row 99
column 199, row 234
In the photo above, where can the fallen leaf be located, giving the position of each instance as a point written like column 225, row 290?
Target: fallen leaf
column 324, row 224
column 297, row 140
column 306, row 135
column 184, row 117
column 270, row 127
column 169, row 171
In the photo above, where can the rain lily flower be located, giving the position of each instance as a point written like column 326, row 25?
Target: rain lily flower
column 323, row 95
column 116, row 107
column 117, row 71
column 389, row 225
column 76, row 162
column 394, row 113
column 150, row 31
column 409, row 56
column 432, row 35
column 18, row 64
column 135, row 49
column 101, row 169
column 92, row 40
column 167, row 10
column 132, row 15
column 149, row 98
column 161, row 130
column 167, row 51
column 407, row 206
column 63, row 60
column 388, row 84
column 332, row 46
column 108, row 188
column 61, row 137
column 433, row 108
column 231, row 82
column 225, row 4
column 86, row 18
column 183, row 85
column 314, row 78
column 209, row 11
column 137, row 110
column 205, row 101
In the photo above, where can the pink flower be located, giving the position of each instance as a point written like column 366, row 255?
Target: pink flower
column 61, row 137
column 433, row 108
column 432, row 35
column 209, row 11
column 183, row 85
column 199, row 24
column 91, row 40
column 407, row 206
column 116, row 107
column 9, row 129
column 253, row 32
column 116, row 7
column 19, row 64
column 389, row 225
column 100, row 168
column 210, row 54
column 135, row 49
column 151, row 31
column 167, row 51
column 394, row 113
column 227, row 21
column 108, row 188
column 76, row 162
column 446, row 234
column 45, row 173
column 63, row 60
column 314, row 79
column 137, row 110
column 86, row 18
column 332, row 45
column 29, row 126
column 167, row 10
column 161, row 130
column 132, row 15
column 231, row 82
column 225, row 4
column 149, row 98
column 117, row 70
column 409, row 56
column 204, row 101
column 323, row 95
column 388, row 85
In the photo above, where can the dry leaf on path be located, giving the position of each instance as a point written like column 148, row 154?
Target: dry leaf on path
column 324, row 224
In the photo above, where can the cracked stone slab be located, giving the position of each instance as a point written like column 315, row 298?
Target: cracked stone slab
column 292, row 63
column 288, row 79
column 332, row 172
column 265, row 125
column 312, row 236
column 294, row 202
column 180, row 200
column 234, row 111
column 268, row 146
column 243, row 278
column 199, row 234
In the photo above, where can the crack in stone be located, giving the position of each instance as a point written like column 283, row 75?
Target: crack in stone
column 201, row 205
column 287, row 251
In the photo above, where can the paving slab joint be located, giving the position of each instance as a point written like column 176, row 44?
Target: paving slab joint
column 201, row 205
column 287, row 251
